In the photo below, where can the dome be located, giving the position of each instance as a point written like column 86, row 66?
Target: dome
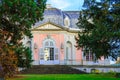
column 53, row 15
column 59, row 17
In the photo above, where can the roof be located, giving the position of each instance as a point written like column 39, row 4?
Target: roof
column 57, row 16
column 73, row 14
column 53, row 11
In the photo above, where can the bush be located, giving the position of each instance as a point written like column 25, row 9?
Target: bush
column 117, row 75
column 95, row 71
column 112, row 72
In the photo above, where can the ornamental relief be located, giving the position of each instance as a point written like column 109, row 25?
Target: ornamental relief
column 48, row 26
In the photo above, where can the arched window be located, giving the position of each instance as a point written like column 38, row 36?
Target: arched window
column 49, row 49
column 49, row 43
column 46, row 43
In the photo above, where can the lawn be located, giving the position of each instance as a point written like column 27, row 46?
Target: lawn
column 66, row 77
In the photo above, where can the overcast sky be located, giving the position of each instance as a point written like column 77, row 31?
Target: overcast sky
column 72, row 5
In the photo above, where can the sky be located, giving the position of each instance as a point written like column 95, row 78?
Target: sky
column 67, row 5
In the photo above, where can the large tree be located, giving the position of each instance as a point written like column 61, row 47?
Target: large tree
column 16, row 19
column 100, row 22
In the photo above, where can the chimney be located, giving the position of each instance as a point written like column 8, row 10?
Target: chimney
column 48, row 6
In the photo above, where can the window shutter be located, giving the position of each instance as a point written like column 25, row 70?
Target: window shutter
column 41, row 54
column 56, row 54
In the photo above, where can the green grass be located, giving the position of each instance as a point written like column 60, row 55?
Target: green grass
column 66, row 77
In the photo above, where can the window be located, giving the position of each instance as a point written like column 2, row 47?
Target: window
column 51, row 54
column 66, row 21
column 46, row 43
column 89, row 57
column 51, row 43
column 49, row 49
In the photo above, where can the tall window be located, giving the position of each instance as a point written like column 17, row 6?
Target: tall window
column 89, row 56
column 49, row 46
column 49, row 52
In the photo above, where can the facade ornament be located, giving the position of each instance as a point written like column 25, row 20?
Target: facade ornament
column 35, row 46
column 48, row 36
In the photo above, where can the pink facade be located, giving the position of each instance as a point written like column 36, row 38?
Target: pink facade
column 79, row 55
column 67, row 52
column 39, row 38
column 54, row 39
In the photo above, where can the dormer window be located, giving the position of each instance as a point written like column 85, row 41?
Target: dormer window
column 67, row 22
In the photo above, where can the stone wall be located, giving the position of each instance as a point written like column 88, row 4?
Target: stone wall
column 104, row 69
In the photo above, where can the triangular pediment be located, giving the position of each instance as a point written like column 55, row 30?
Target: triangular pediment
column 54, row 27
column 49, row 26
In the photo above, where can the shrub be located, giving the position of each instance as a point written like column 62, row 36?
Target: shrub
column 117, row 75
column 112, row 72
column 95, row 71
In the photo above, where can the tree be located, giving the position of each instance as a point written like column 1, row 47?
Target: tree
column 8, row 59
column 100, row 22
column 24, row 56
column 87, row 3
column 16, row 19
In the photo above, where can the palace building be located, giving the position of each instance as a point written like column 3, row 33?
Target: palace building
column 53, row 41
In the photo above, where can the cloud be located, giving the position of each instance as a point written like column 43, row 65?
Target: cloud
column 61, row 4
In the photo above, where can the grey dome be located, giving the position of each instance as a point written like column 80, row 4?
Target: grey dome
column 53, row 15
column 57, row 16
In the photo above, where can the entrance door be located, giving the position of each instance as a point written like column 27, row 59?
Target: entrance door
column 49, row 54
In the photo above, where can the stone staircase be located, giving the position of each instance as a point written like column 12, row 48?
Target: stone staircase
column 51, row 69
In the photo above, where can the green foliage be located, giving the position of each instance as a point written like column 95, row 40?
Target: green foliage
column 95, row 71
column 100, row 24
column 24, row 55
column 117, row 75
column 112, row 72
column 16, row 19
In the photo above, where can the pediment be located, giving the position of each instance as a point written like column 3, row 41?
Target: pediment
column 49, row 26
column 54, row 27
